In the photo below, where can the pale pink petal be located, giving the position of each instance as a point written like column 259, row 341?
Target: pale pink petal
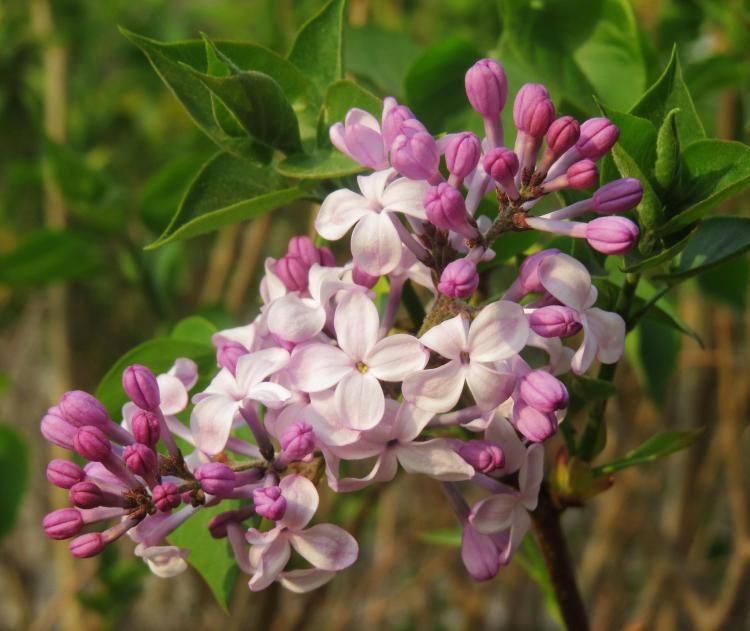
column 434, row 458
column 530, row 476
column 186, row 370
column 449, row 338
column 409, row 422
column 489, row 387
column 383, row 470
column 301, row 501
column 396, row 356
column 163, row 561
column 256, row 367
column 174, row 396
column 436, row 389
column 336, row 135
column 504, row 434
column 272, row 395
column 339, row 212
column 499, row 331
column 520, row 525
column 211, row 422
column 356, row 323
column 272, row 560
column 365, row 146
column 295, row 319
column 357, row 116
column 315, row 367
column 609, row 329
column 376, row 246
column 373, row 185
column 359, row 399
column 328, row 427
column 586, row 352
column 244, row 335
column 306, row 580
column 566, row 279
column 406, row 196
column 326, row 546
column 494, row 513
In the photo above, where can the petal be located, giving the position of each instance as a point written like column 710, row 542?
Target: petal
column 479, row 554
column 328, row 429
column 566, row 279
column 396, row 356
column 489, row 387
column 376, row 246
column 494, row 513
column 339, row 212
column 272, row 395
column 384, row 470
column 315, row 367
column 271, row 561
column 301, row 501
column 530, row 476
column 356, row 323
column 163, row 561
column 410, row 421
column 434, row 458
column 406, row 196
column 306, row 580
column 336, row 136
column 586, row 352
column 609, row 329
column 503, row 433
column 357, row 116
column 499, row 331
column 326, row 546
column 373, row 185
column 255, row 367
column 186, row 370
column 295, row 319
column 436, row 389
column 174, row 396
column 359, row 400
column 211, row 421
column 365, row 146
column 449, row 338
column 520, row 525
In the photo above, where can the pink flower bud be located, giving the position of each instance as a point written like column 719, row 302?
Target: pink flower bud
column 80, row 408
column 528, row 275
column 64, row 473
column 598, row 135
column 141, row 460
column 486, row 87
column 543, row 391
column 269, row 502
column 445, row 208
column 140, row 385
column 359, row 138
column 393, row 115
column 528, row 93
column 537, row 117
column 611, row 235
column 86, row 495
column 459, row 279
column 534, row 425
column 228, row 354
column 57, row 429
column 484, row 455
column 297, row 441
column 293, row 272
column 416, row 155
column 555, row 321
column 146, row 427
column 327, row 259
column 502, row 165
column 462, row 154
column 88, row 545
column 93, row 444
column 618, row 196
column 582, row 174
column 562, row 134
column 166, row 496
column 216, row 478
column 303, row 248
column 63, row 523
column 362, row 278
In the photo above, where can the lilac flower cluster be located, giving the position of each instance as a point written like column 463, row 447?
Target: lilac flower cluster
column 325, row 383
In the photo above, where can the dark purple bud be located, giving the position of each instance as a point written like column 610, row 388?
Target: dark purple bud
column 327, row 259
column 502, row 165
column 57, row 429
column 415, row 155
column 555, row 321
column 363, row 279
column 80, row 409
column 537, row 117
column 528, row 93
column 216, row 478
column 462, row 154
column 86, row 495
column 140, row 385
column 459, row 279
column 562, row 134
column 393, row 115
column 64, row 473
column 63, row 523
column 297, row 441
column 141, row 460
column 228, row 354
column 88, row 545
column 582, row 174
column 618, row 196
column 269, row 502
column 166, row 496
column 611, row 235
column 486, row 87
column 445, row 208
column 146, row 427
column 293, row 272
column 543, row 391
column 528, row 275
column 93, row 444
column 484, row 455
column 598, row 135
column 536, row 426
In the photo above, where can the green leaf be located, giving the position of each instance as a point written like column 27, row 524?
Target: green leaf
column 716, row 240
column 212, row 558
column 669, row 93
column 592, row 389
column 634, row 263
column 656, row 447
column 14, row 476
column 449, row 537
column 194, row 329
column 318, row 48
column 650, row 210
column 158, row 355
column 227, row 190
column 712, row 171
column 340, row 97
column 653, row 348
column 318, row 166
column 49, row 256
column 728, row 283
column 530, row 558
column 667, row 153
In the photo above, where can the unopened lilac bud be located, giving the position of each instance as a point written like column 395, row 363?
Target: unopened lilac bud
column 528, row 275
column 502, row 165
column 611, row 235
column 554, row 321
column 88, row 545
column 93, row 444
column 58, row 430
column 528, row 93
column 80, row 408
column 462, row 154
column 166, row 496
column 362, row 278
column 64, row 473
column 293, row 272
column 534, row 425
column 63, row 523
column 618, row 196
column 216, row 478
column 327, row 259
column 269, row 502
column 146, row 428
column 297, row 441
column 445, row 208
column 86, row 495
column 486, row 87
column 141, row 460
column 140, row 385
column 393, row 115
column 537, row 117
column 228, row 354
column 415, row 156
column 582, row 174
column 598, row 136
column 484, row 455
column 304, row 249
column 543, row 391
column 459, row 279
column 562, row 134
